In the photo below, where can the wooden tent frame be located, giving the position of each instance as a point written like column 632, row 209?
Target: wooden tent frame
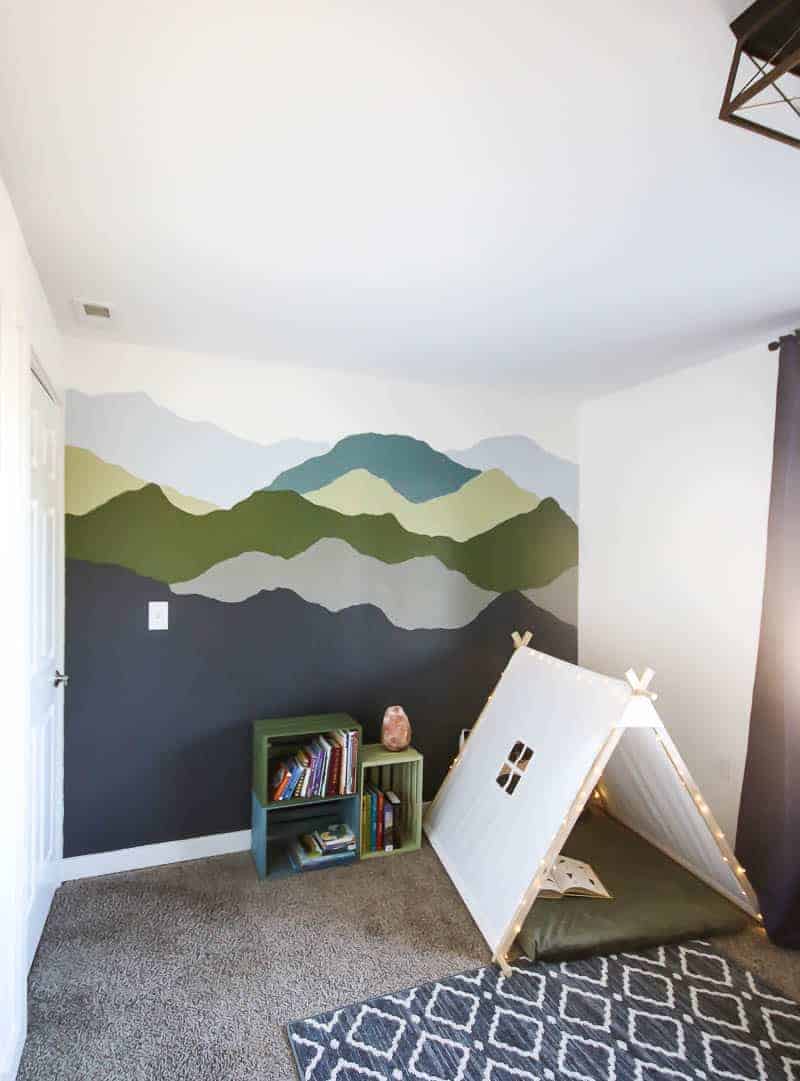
column 592, row 785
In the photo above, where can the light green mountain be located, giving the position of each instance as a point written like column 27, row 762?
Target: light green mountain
column 89, row 482
column 480, row 504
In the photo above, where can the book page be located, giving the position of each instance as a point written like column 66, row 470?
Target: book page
column 575, row 876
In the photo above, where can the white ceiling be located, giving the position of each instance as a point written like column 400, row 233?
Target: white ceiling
column 496, row 189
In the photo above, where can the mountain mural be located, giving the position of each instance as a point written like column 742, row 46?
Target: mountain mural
column 412, row 467
column 158, row 731
column 559, row 597
column 524, row 552
column 90, row 482
column 529, row 465
column 194, row 457
column 477, row 506
column 301, row 578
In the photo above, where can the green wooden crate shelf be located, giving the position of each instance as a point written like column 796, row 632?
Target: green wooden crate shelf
column 400, row 771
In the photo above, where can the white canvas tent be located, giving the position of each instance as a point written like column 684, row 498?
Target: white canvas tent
column 551, row 737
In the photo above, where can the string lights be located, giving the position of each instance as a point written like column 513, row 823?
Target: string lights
column 594, row 789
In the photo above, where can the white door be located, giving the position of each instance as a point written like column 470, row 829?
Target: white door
column 45, row 734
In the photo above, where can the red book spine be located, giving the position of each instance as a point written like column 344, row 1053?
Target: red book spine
column 333, row 778
column 379, row 840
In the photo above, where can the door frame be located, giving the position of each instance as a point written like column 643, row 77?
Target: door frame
column 17, row 360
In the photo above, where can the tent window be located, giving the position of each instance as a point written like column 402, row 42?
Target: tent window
column 517, row 761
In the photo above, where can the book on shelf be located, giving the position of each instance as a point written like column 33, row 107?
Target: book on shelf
column 337, row 837
column 379, row 812
column 366, row 833
column 325, row 766
column 380, row 819
column 393, row 801
column 388, row 824
column 331, row 844
column 572, row 878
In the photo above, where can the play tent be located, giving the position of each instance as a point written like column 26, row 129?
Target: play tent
column 552, row 737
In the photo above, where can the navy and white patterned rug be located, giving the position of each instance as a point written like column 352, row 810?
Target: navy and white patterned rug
column 678, row 1013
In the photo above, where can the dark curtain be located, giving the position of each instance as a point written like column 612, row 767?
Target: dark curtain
column 768, row 838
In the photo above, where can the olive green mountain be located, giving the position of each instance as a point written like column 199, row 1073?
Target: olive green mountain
column 144, row 532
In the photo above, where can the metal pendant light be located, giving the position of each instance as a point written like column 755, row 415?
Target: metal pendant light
column 768, row 37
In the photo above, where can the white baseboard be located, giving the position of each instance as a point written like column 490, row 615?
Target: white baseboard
column 133, row 859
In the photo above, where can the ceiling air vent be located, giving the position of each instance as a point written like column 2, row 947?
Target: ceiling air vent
column 92, row 311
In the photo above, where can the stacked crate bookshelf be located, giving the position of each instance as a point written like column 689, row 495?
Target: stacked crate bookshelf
column 276, row 823
column 400, row 772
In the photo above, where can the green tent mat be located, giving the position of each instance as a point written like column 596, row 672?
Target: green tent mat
column 655, row 900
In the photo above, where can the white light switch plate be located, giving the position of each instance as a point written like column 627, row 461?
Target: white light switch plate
column 158, row 615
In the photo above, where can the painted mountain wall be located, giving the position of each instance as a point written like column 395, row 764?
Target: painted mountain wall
column 412, row 467
column 528, row 465
column 195, row 457
column 321, row 573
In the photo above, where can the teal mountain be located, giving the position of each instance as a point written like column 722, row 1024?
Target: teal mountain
column 412, row 467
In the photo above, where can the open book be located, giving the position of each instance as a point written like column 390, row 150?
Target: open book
column 572, row 878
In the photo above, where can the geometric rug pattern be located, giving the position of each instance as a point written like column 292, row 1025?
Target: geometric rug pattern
column 676, row 1013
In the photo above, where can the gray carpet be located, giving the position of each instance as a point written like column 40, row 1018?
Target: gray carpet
column 191, row 971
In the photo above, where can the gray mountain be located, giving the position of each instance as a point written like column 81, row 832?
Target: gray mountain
column 197, row 458
column 418, row 593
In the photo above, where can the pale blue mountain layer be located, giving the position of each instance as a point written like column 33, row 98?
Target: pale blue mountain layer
column 411, row 466
column 529, row 465
column 197, row 458
column 418, row 594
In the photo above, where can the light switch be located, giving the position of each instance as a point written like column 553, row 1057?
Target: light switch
column 158, row 615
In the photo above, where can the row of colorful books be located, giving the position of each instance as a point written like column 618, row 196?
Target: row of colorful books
column 380, row 820
column 325, row 766
column 323, row 847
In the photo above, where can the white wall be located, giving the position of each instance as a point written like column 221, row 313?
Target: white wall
column 265, row 402
column 675, row 480
column 25, row 324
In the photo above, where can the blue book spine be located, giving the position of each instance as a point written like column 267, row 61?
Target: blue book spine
column 297, row 773
column 373, row 819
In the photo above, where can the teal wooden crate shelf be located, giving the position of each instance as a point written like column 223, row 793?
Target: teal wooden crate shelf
column 275, row 827
column 401, row 772
column 276, row 823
